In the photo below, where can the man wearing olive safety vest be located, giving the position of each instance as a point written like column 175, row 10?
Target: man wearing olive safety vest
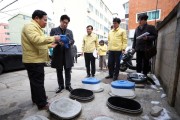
column 117, row 42
column 90, row 44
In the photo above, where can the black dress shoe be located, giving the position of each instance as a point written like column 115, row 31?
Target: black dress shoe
column 46, row 107
column 59, row 89
column 115, row 78
column 88, row 76
column 69, row 88
column 108, row 77
column 93, row 75
column 35, row 102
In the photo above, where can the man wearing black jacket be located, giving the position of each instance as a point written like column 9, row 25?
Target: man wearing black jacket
column 146, row 42
column 62, row 56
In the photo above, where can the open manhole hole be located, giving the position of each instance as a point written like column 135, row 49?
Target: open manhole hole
column 82, row 94
column 124, row 104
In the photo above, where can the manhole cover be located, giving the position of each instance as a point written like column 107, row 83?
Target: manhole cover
column 65, row 108
column 103, row 118
column 36, row 117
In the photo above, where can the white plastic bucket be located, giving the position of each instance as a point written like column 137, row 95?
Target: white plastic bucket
column 91, row 86
column 123, row 88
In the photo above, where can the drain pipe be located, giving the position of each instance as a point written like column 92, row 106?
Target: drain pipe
column 155, row 43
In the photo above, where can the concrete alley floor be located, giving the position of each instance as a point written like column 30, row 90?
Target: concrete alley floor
column 15, row 96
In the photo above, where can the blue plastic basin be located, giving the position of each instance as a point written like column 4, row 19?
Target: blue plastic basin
column 123, row 84
column 90, row 81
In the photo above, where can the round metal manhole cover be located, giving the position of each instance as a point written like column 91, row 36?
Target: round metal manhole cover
column 65, row 108
column 103, row 118
column 36, row 117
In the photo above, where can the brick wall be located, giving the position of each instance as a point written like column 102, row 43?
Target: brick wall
column 138, row 6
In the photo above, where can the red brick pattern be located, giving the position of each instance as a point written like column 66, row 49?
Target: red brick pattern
column 138, row 6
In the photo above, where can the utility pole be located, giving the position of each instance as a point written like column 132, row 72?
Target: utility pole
column 7, row 5
column 156, row 11
column 155, row 42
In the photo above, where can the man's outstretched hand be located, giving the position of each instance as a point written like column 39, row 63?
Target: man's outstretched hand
column 57, row 38
column 53, row 45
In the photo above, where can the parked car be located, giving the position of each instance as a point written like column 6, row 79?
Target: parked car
column 10, row 57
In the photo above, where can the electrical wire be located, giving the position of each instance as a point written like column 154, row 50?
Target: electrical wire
column 8, row 5
column 1, row 1
column 12, row 15
column 28, row 5
column 9, row 10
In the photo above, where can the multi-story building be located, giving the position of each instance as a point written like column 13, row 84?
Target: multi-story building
column 49, row 26
column 156, row 10
column 16, row 24
column 83, row 13
column 4, row 33
column 126, row 8
column 124, row 24
column 126, row 21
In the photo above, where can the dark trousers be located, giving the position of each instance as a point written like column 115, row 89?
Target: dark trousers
column 102, row 61
column 61, row 78
column 142, row 64
column 36, row 77
column 76, row 58
column 90, row 60
column 114, row 63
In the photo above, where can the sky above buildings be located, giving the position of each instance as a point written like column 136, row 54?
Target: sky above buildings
column 28, row 6
column 24, row 6
column 116, row 6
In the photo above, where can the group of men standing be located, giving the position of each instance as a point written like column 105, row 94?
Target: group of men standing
column 35, row 47
column 35, row 53
column 117, row 43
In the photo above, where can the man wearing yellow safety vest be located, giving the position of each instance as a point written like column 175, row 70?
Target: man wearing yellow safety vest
column 117, row 43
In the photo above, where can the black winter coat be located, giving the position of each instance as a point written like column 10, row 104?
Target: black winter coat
column 62, row 56
column 140, row 44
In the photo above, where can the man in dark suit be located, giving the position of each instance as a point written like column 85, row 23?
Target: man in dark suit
column 62, row 56
column 74, row 53
column 140, row 45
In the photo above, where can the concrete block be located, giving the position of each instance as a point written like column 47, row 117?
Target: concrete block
column 156, row 111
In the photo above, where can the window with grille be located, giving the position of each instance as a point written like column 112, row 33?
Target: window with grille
column 152, row 15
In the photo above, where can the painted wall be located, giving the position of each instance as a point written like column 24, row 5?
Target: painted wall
column 4, row 33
